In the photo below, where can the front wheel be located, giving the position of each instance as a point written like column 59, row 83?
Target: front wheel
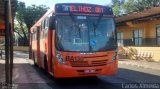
column 34, row 61
column 45, row 64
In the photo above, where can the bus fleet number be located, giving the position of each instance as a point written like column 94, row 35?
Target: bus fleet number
column 74, row 58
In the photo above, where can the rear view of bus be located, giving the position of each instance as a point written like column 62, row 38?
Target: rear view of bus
column 84, row 41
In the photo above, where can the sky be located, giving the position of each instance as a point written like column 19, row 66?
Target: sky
column 50, row 3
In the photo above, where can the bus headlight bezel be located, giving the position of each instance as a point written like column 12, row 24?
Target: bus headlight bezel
column 60, row 58
column 115, row 55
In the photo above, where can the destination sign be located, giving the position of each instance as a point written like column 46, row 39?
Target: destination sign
column 83, row 8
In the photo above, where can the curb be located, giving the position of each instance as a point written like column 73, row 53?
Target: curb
column 132, row 64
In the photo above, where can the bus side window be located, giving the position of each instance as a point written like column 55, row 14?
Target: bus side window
column 46, row 23
column 41, row 32
column 45, row 31
column 34, row 35
column 52, row 22
column 41, row 26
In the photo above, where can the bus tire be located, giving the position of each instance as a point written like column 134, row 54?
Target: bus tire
column 33, row 58
column 45, row 64
column 34, row 61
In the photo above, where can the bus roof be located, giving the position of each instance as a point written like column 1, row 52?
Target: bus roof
column 38, row 23
column 84, row 8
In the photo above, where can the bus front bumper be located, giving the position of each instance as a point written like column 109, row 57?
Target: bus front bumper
column 66, row 71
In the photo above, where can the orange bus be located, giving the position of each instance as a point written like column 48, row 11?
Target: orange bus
column 75, row 40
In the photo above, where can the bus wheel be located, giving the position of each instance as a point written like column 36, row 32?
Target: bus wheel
column 45, row 64
column 34, row 61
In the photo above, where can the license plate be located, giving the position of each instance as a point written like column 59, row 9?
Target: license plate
column 90, row 71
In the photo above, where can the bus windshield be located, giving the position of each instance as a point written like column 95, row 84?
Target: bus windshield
column 85, row 33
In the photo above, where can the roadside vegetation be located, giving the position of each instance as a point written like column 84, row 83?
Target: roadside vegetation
column 25, row 17
column 121, row 7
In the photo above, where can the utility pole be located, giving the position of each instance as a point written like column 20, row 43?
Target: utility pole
column 8, row 41
column 11, row 39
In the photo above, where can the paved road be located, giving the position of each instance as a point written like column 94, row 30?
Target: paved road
column 28, row 76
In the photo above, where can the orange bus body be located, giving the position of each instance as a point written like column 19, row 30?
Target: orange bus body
column 74, row 64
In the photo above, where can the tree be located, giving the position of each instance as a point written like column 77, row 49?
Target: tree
column 33, row 13
column 117, row 6
column 126, row 6
column 142, row 4
column 119, row 2
column 116, row 9
column 129, row 6
column 27, row 16
column 20, row 10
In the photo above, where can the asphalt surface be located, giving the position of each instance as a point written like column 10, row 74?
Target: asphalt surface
column 28, row 76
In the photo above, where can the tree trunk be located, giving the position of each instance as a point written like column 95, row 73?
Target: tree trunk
column 25, row 36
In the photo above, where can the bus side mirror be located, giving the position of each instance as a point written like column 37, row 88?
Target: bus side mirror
column 52, row 22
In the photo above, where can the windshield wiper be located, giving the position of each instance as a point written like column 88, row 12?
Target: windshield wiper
column 59, row 46
column 79, row 30
column 97, row 24
column 99, row 19
column 94, row 29
column 76, row 25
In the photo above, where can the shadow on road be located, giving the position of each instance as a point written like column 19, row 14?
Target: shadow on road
column 31, row 77
column 138, row 76
column 74, row 83
column 103, row 82
column 28, row 76
column 2, row 72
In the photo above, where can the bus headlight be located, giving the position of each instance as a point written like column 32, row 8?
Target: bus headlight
column 59, row 58
column 114, row 55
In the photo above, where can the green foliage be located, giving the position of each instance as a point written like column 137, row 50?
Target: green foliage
column 26, row 17
column 33, row 13
column 129, row 6
column 118, row 2
column 117, row 6
column 126, row 6
column 116, row 9
column 144, row 3
column 19, row 24
column 14, row 6
column 20, row 11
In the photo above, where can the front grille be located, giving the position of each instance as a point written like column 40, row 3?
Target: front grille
column 99, row 63
column 87, row 64
column 80, row 64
